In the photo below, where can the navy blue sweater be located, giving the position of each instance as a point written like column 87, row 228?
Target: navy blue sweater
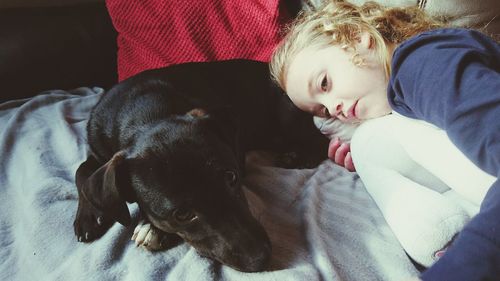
column 451, row 78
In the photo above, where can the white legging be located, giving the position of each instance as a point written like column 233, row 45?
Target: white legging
column 425, row 187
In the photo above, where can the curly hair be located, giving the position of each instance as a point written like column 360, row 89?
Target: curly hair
column 341, row 23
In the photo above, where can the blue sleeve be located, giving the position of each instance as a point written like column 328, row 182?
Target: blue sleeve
column 451, row 78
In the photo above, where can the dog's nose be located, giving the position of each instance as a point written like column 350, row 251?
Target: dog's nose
column 254, row 261
column 256, row 256
column 261, row 260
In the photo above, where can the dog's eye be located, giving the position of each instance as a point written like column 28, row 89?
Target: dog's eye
column 230, row 177
column 182, row 215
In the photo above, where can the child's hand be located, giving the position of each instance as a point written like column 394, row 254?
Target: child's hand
column 340, row 153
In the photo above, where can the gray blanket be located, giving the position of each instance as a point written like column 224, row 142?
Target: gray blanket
column 322, row 223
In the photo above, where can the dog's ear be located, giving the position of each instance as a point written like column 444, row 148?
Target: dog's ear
column 226, row 123
column 222, row 121
column 106, row 192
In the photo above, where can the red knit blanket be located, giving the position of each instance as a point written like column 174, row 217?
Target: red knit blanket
column 158, row 33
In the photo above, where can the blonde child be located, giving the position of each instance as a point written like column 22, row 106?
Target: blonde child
column 357, row 63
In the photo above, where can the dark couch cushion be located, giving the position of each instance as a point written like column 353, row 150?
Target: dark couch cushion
column 55, row 48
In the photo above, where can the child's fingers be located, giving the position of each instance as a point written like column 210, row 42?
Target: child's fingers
column 348, row 164
column 341, row 153
column 332, row 148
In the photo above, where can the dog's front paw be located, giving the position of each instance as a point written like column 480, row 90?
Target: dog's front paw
column 90, row 223
column 153, row 239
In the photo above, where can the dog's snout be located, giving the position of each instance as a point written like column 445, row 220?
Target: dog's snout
column 241, row 243
column 252, row 259
column 252, row 254
column 260, row 259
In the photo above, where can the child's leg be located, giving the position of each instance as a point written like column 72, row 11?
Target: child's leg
column 435, row 152
column 423, row 220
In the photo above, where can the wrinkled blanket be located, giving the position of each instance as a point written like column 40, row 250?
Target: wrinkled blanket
column 322, row 223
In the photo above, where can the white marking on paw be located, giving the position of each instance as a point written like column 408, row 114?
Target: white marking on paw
column 146, row 235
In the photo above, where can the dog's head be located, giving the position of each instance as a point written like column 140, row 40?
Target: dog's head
column 186, row 177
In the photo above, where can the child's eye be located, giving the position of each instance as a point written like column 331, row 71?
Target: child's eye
column 324, row 84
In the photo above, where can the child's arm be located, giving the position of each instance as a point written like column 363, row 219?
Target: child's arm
column 456, row 88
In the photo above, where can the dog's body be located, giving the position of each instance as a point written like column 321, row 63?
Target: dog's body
column 174, row 139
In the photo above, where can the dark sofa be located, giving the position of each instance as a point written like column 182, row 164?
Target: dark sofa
column 55, row 47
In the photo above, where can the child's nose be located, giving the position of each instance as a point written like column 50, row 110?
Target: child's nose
column 332, row 104
column 335, row 109
column 338, row 108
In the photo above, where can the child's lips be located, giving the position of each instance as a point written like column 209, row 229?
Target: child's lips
column 351, row 112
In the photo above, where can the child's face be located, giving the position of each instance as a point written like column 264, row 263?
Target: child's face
column 325, row 82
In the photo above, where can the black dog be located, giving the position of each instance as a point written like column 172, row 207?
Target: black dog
column 174, row 141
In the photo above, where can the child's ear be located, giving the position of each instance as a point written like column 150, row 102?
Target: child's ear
column 365, row 41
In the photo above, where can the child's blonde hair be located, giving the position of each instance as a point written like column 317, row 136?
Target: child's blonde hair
column 340, row 23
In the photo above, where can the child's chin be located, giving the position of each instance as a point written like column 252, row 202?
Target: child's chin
column 377, row 114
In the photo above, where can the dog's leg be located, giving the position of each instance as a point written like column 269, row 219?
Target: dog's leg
column 90, row 223
column 153, row 239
